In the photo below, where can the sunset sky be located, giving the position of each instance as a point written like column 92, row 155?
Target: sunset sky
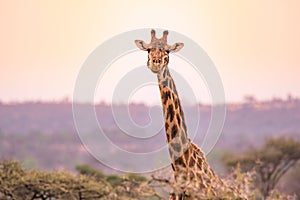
column 254, row 44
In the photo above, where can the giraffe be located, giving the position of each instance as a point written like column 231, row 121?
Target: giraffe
column 187, row 160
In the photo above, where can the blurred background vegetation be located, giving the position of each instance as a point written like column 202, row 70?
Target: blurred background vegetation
column 43, row 158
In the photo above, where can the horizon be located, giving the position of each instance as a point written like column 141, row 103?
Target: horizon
column 246, row 100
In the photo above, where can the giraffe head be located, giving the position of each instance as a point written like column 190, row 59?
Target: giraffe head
column 158, row 51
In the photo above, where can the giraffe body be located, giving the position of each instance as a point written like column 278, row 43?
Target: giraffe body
column 187, row 160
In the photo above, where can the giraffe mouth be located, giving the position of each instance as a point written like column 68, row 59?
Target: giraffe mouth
column 154, row 69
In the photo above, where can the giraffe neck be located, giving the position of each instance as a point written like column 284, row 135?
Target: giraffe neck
column 175, row 126
column 187, row 160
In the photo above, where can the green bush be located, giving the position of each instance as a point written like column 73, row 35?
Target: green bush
column 18, row 183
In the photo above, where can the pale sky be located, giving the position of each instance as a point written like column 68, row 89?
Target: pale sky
column 254, row 44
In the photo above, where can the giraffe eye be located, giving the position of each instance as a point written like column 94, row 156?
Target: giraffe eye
column 165, row 59
column 168, row 51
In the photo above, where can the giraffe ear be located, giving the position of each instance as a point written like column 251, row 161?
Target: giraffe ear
column 142, row 45
column 176, row 47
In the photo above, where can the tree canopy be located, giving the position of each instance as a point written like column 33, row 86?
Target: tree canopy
column 270, row 162
column 18, row 183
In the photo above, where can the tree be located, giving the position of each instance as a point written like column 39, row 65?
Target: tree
column 90, row 171
column 125, row 186
column 11, row 173
column 270, row 162
column 18, row 183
